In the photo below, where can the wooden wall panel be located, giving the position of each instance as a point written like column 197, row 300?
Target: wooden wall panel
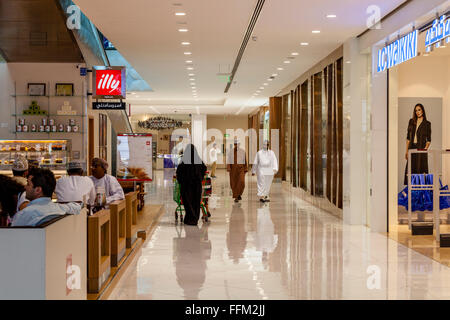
column 275, row 122
column 329, row 96
column 318, row 162
column 311, row 133
column 294, row 129
column 304, row 136
column 334, row 173
column 340, row 124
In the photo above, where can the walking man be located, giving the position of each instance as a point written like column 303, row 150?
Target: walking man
column 265, row 166
column 237, row 167
column 213, row 159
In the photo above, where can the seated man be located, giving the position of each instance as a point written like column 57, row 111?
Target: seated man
column 75, row 186
column 39, row 190
column 20, row 170
column 113, row 190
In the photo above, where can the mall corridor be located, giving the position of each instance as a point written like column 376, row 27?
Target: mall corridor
column 286, row 249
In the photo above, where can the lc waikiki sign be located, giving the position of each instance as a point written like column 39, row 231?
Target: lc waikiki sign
column 398, row 52
column 109, row 83
column 438, row 32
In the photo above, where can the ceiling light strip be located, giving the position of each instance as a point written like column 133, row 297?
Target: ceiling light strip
column 244, row 43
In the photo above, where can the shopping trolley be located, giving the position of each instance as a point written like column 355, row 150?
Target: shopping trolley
column 206, row 192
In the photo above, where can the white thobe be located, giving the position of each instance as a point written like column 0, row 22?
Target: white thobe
column 113, row 190
column 74, row 188
column 266, row 239
column 265, row 166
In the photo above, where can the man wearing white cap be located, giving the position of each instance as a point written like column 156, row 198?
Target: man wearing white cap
column 113, row 190
column 75, row 186
column 20, row 170
column 265, row 166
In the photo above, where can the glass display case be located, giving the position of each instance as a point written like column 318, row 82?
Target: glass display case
column 51, row 154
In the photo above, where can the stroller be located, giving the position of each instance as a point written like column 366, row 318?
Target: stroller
column 206, row 193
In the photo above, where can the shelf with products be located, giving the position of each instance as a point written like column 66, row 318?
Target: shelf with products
column 49, row 153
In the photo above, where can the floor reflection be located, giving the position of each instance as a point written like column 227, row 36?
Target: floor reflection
column 190, row 253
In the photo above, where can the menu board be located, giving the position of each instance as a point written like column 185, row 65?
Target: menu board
column 134, row 157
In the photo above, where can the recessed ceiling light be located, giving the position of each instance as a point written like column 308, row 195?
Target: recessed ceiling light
column 185, row 43
column 190, row 68
column 180, row 14
column 261, row 88
column 192, row 83
column 188, row 53
column 192, row 79
column 331, row 16
column 304, row 44
column 294, row 54
column 188, row 61
column 316, row 31
column 270, row 79
column 280, row 69
column 287, row 61
column 183, row 30
column 257, row 91
column 194, row 87
column 274, row 74
column 266, row 84
column 191, row 74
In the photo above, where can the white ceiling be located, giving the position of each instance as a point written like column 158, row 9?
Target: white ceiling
column 146, row 34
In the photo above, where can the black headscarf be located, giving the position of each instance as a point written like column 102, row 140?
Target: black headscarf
column 191, row 170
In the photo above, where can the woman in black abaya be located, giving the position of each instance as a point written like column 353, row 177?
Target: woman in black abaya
column 190, row 173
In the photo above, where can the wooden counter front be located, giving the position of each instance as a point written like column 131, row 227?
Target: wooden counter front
column 118, row 231
column 99, row 250
column 131, row 221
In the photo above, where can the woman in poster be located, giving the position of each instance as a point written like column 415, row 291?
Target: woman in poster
column 190, row 173
column 418, row 137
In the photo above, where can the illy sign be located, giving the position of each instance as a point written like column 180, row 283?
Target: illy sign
column 109, row 83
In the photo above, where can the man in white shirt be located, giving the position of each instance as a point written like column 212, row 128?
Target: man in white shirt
column 213, row 159
column 113, row 190
column 265, row 166
column 75, row 186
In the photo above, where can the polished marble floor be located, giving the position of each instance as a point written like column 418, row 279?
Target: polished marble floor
column 285, row 249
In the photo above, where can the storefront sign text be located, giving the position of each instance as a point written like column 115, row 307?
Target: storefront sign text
column 438, row 32
column 108, row 105
column 398, row 52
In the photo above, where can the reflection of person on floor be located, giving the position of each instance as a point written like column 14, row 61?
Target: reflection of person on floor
column 265, row 166
column 237, row 235
column 237, row 167
column 190, row 173
column 266, row 240
column 418, row 137
column 190, row 255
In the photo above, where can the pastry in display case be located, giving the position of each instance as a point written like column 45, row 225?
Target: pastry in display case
column 52, row 154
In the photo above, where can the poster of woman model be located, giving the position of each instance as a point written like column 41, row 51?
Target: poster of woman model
column 419, row 128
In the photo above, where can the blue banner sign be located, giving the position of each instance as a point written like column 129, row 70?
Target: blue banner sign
column 398, row 52
column 439, row 31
